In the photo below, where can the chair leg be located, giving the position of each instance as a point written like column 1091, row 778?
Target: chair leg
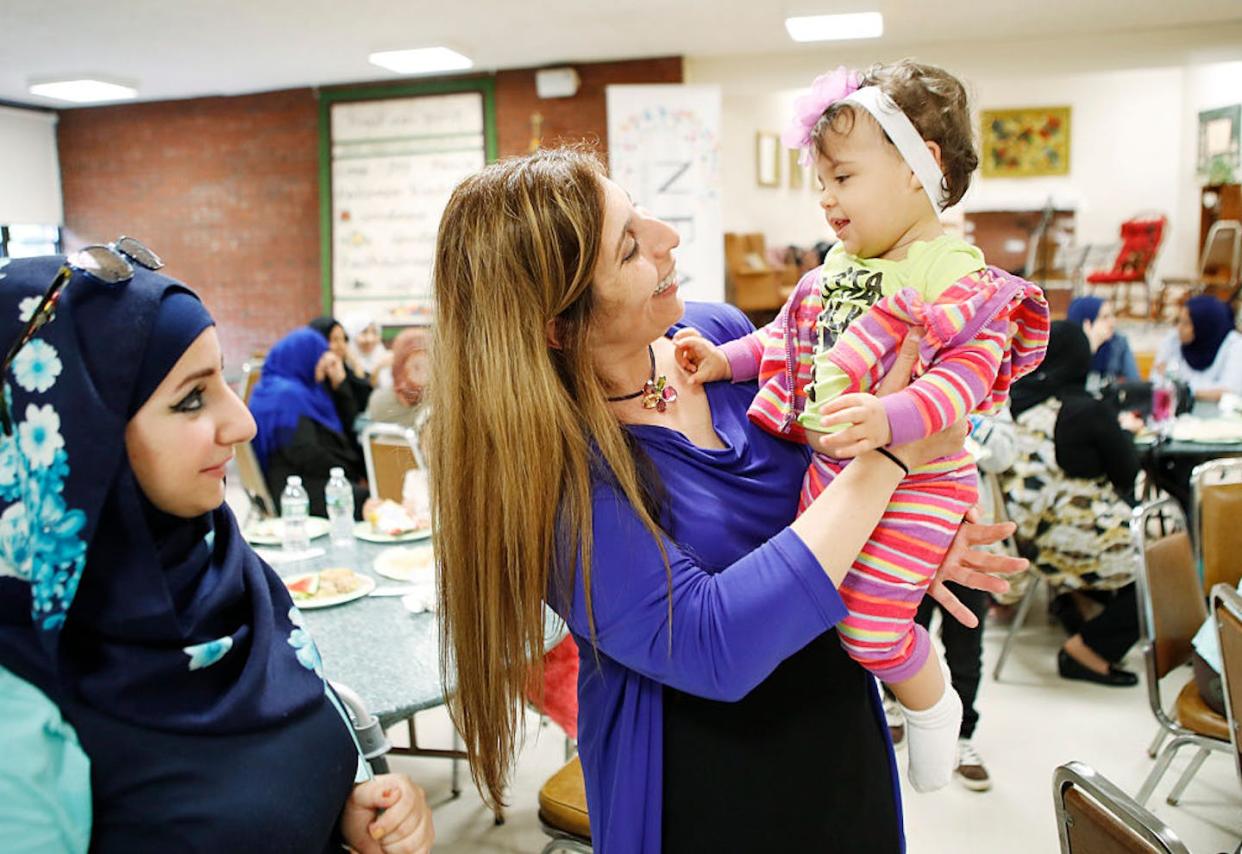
column 1154, row 747
column 1014, row 627
column 1175, row 794
column 1162, row 765
column 455, row 785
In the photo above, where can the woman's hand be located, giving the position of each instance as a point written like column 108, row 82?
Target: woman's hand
column 331, row 368
column 1129, row 422
column 966, row 564
column 387, row 815
column 700, row 358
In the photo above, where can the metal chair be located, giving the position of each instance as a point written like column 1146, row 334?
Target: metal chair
column 390, row 450
column 251, row 371
column 563, row 810
column 1227, row 609
column 253, row 483
column 1220, row 267
column 1215, row 507
column 1171, row 609
column 1096, row 817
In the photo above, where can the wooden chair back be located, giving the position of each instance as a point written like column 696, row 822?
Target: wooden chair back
column 390, row 451
column 1216, row 507
column 253, row 481
column 1095, row 817
column 1227, row 608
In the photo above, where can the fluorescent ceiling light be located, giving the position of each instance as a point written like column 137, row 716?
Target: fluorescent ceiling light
column 824, row 28
column 424, row 60
column 83, row 91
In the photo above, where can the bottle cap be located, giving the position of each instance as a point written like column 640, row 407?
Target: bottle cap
column 336, row 471
column 293, row 480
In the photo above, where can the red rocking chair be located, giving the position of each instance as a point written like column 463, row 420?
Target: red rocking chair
column 1141, row 238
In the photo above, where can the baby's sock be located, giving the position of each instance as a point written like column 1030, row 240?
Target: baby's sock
column 932, row 738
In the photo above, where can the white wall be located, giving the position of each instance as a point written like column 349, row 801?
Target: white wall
column 1134, row 99
column 29, row 168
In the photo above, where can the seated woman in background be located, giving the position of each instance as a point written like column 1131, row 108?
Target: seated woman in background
column 1205, row 350
column 405, row 402
column 357, row 383
column 157, row 688
column 367, row 352
column 301, row 425
column 1070, row 492
column 1113, row 359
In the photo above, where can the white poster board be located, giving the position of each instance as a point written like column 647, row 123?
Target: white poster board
column 664, row 148
column 395, row 162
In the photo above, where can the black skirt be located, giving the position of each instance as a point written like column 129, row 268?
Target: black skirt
column 801, row 763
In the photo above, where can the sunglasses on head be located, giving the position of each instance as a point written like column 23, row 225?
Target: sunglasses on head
column 108, row 265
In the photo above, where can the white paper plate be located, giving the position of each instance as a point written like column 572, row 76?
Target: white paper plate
column 366, row 586
column 364, row 531
column 413, row 564
column 268, row 532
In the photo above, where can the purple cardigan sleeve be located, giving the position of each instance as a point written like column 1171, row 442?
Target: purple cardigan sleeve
column 730, row 629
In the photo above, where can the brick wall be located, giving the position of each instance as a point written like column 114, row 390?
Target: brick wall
column 227, row 189
column 582, row 117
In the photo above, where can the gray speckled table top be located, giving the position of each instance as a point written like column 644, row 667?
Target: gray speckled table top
column 373, row 645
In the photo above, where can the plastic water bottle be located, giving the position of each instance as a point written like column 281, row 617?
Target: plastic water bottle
column 338, row 495
column 294, row 508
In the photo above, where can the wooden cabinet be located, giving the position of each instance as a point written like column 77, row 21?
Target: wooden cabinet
column 1005, row 239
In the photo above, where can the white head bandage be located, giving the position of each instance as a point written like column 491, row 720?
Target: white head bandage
column 911, row 146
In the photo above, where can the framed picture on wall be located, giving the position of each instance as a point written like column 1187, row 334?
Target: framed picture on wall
column 1218, row 137
column 767, row 159
column 1026, row 142
column 799, row 175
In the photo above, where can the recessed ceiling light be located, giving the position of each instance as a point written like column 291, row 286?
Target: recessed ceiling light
column 823, row 28
column 84, row 91
column 423, row 60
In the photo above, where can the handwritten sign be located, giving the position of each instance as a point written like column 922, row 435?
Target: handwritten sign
column 394, row 164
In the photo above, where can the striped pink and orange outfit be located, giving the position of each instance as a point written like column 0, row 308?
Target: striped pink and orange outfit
column 967, row 362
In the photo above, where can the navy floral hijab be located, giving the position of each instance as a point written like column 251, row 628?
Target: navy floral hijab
column 105, row 600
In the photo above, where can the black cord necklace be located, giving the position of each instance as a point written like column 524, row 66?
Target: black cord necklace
column 656, row 392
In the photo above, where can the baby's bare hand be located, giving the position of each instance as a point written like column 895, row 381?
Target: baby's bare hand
column 700, row 358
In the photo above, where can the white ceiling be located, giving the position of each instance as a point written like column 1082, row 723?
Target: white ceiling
column 189, row 48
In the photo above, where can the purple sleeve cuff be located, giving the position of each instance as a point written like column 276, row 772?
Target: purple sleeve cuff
column 743, row 357
column 913, row 664
column 807, row 569
column 904, row 421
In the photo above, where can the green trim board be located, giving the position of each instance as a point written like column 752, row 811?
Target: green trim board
column 486, row 86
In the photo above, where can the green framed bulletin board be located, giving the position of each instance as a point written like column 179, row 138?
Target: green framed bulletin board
column 389, row 157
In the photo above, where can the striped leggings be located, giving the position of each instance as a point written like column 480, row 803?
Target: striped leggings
column 891, row 574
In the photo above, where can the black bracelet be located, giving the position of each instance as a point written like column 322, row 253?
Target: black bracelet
column 886, row 452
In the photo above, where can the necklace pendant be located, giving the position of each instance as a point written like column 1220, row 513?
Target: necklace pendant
column 658, row 394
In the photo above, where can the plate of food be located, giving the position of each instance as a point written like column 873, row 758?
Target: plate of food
column 404, row 563
column 390, row 522
column 269, row 532
column 328, row 587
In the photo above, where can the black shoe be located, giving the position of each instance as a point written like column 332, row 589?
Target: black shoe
column 1069, row 668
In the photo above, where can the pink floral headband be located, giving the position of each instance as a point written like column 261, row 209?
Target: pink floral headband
column 825, row 91
column 844, row 85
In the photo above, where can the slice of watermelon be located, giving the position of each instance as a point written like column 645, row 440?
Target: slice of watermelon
column 305, row 587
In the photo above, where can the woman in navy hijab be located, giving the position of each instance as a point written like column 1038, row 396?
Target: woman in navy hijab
column 1205, row 351
column 1111, row 357
column 135, row 623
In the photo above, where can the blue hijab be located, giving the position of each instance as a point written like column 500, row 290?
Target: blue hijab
column 1088, row 308
column 160, row 621
column 1212, row 320
column 287, row 391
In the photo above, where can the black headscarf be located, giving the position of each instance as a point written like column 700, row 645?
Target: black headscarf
column 1063, row 371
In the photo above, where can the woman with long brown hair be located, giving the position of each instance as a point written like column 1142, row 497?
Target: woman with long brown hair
column 575, row 465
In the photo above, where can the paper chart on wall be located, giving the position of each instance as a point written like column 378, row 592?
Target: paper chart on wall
column 664, row 148
column 395, row 162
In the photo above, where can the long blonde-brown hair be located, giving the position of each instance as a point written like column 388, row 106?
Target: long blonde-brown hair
column 520, row 424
